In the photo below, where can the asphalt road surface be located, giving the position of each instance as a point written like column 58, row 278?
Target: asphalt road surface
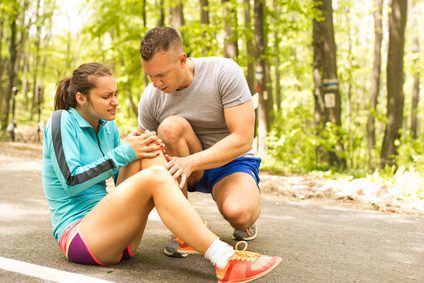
column 318, row 243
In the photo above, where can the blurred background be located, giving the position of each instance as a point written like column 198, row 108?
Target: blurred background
column 338, row 83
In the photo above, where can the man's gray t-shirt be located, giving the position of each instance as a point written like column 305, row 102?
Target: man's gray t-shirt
column 218, row 83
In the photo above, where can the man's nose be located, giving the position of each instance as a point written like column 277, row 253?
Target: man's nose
column 157, row 83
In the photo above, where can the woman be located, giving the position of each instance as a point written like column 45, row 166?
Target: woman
column 82, row 150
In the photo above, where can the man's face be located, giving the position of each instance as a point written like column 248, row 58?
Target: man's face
column 165, row 70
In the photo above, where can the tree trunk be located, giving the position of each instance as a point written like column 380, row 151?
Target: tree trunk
column 375, row 76
column 261, row 75
column 395, row 96
column 24, row 55
column 177, row 17
column 250, row 49
column 204, row 12
column 12, row 73
column 269, row 95
column 161, row 20
column 319, row 112
column 277, row 71
column 2, row 67
column 416, row 77
column 25, row 79
column 230, row 36
column 277, row 40
column 45, row 59
column 143, row 12
column 326, row 66
column 36, row 60
column 133, row 105
column 145, row 78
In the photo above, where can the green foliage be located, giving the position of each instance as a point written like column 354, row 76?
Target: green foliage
column 292, row 142
column 411, row 152
column 112, row 33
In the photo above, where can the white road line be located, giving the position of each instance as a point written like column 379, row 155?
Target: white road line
column 46, row 273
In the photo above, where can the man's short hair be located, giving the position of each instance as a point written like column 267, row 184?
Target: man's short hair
column 159, row 39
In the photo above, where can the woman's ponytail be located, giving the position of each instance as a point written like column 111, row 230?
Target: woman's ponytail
column 62, row 97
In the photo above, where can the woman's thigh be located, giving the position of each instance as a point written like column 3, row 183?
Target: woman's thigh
column 119, row 219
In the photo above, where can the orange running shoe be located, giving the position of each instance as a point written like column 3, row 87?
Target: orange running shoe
column 177, row 248
column 184, row 248
column 246, row 266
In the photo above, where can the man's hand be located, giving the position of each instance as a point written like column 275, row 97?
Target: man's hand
column 180, row 167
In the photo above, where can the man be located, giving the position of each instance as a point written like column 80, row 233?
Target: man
column 202, row 109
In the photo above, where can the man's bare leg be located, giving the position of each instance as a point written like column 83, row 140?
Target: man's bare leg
column 180, row 140
column 238, row 199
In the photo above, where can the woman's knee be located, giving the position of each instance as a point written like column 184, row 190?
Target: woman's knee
column 172, row 129
column 153, row 173
column 153, row 176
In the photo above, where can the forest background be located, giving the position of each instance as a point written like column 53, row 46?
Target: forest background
column 338, row 83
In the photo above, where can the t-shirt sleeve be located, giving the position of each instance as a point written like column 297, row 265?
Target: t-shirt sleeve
column 146, row 119
column 232, row 85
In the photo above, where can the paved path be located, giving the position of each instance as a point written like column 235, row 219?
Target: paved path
column 318, row 243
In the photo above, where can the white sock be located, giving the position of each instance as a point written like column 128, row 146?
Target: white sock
column 219, row 253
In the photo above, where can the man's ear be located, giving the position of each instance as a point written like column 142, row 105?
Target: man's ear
column 80, row 98
column 183, row 58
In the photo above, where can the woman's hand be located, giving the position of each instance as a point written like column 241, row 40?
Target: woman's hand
column 145, row 145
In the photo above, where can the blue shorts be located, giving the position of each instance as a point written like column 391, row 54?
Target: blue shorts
column 249, row 165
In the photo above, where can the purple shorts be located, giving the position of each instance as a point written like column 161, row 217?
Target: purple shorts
column 73, row 247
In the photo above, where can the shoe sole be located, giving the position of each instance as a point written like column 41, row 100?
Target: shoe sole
column 192, row 252
column 248, row 238
column 279, row 260
column 174, row 254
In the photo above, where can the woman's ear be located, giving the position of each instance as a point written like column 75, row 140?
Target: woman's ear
column 80, row 98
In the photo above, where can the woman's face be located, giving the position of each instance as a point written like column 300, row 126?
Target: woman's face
column 103, row 99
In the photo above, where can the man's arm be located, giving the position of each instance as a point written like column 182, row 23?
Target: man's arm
column 240, row 121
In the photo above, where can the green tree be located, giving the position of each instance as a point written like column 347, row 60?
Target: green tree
column 395, row 96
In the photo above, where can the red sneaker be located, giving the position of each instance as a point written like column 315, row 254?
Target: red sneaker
column 246, row 266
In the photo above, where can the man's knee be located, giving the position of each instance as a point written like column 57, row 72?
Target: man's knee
column 239, row 216
column 172, row 129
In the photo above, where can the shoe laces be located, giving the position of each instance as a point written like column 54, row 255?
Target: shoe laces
column 242, row 254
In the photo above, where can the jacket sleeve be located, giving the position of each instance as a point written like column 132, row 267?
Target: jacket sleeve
column 117, row 143
column 73, row 175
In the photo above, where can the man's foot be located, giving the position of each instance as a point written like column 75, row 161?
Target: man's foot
column 246, row 235
column 177, row 248
column 246, row 266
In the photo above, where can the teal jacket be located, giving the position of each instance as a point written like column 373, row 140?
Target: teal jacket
column 77, row 161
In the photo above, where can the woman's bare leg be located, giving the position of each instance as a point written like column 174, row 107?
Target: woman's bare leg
column 122, row 215
column 130, row 170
